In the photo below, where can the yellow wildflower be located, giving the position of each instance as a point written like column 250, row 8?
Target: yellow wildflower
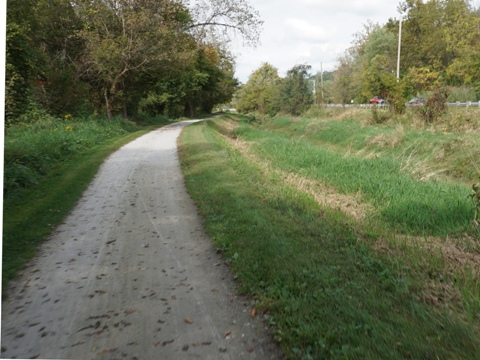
column 68, row 128
column 68, row 117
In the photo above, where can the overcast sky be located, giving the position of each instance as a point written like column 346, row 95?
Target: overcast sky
column 308, row 32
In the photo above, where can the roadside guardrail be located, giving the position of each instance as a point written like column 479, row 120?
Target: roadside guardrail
column 467, row 104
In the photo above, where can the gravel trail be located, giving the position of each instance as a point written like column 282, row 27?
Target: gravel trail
column 130, row 274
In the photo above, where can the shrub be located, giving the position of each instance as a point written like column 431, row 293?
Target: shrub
column 379, row 117
column 435, row 105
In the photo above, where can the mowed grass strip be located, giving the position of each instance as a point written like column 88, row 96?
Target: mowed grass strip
column 325, row 294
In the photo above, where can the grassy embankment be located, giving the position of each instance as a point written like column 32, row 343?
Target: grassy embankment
column 48, row 165
column 355, row 240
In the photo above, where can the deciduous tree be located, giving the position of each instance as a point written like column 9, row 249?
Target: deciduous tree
column 260, row 93
column 295, row 93
column 124, row 38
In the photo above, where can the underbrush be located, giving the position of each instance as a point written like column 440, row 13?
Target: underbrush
column 319, row 278
column 33, row 150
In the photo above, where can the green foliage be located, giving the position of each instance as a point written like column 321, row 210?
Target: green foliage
column 380, row 42
column 267, row 94
column 260, row 93
column 395, row 96
column 19, row 70
column 379, row 116
column 346, row 84
column 462, row 94
column 40, row 143
column 440, row 47
column 423, row 79
column 69, row 56
column 475, row 195
column 295, row 93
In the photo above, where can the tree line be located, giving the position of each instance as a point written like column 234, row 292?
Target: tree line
column 440, row 50
column 124, row 57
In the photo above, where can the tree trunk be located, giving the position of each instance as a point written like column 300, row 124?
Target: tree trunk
column 124, row 109
column 108, row 104
column 190, row 109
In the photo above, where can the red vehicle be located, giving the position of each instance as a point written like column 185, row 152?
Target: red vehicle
column 377, row 100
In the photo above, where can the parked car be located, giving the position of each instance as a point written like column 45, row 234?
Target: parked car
column 377, row 100
column 417, row 101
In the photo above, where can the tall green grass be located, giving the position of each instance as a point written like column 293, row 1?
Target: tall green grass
column 33, row 150
column 324, row 293
column 388, row 175
column 408, row 205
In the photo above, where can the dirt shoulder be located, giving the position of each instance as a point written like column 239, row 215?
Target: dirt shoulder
column 130, row 274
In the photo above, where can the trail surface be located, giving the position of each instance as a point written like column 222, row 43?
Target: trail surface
column 130, row 274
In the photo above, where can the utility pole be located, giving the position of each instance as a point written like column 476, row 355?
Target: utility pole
column 321, row 82
column 399, row 49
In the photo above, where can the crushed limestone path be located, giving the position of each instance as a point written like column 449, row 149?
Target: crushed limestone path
column 130, row 274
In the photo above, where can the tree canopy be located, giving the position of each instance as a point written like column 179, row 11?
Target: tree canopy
column 440, row 47
column 123, row 56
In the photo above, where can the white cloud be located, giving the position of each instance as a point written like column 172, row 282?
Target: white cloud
column 365, row 7
column 303, row 30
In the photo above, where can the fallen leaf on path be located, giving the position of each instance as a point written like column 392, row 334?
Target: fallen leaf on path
column 188, row 320
column 253, row 313
column 227, row 333
column 104, row 351
column 129, row 311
